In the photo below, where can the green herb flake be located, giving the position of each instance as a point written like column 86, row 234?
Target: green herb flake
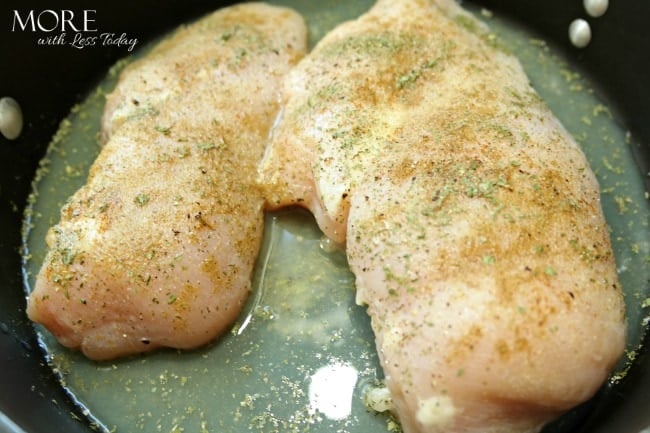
column 601, row 109
column 171, row 299
column 645, row 303
column 141, row 199
column 206, row 146
column 67, row 256
column 226, row 36
column 165, row 130
column 550, row 271
column 489, row 260
column 183, row 152
column 623, row 203
column 414, row 74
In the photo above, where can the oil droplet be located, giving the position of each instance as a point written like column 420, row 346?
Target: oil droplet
column 328, row 245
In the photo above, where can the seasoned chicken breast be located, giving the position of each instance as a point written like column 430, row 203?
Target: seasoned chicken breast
column 157, row 249
column 471, row 218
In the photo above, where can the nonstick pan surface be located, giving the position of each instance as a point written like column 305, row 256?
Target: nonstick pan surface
column 48, row 80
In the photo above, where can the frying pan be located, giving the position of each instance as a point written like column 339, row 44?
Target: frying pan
column 48, row 80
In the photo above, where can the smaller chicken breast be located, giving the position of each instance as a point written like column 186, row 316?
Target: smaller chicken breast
column 158, row 248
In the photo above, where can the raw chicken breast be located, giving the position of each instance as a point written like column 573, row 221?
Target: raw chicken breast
column 157, row 249
column 471, row 218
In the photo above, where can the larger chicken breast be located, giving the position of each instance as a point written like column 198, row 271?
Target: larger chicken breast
column 471, row 218
column 158, row 248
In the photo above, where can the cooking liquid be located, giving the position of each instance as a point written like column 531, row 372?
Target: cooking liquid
column 302, row 355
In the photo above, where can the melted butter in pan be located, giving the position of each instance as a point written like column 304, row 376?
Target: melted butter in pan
column 301, row 356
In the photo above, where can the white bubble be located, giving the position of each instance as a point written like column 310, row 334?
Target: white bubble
column 596, row 8
column 11, row 118
column 580, row 33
